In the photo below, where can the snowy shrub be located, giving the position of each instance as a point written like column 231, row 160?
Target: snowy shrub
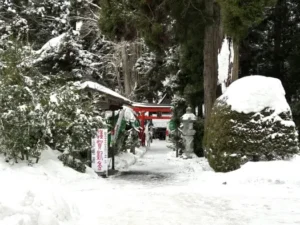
column 72, row 162
column 73, row 120
column 22, row 115
column 38, row 110
column 250, row 125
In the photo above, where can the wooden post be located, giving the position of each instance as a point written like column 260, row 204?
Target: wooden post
column 176, row 142
column 113, row 143
column 143, row 128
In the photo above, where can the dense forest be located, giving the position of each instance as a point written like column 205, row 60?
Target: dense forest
column 141, row 49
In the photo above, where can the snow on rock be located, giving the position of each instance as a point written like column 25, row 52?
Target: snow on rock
column 255, row 93
column 251, row 121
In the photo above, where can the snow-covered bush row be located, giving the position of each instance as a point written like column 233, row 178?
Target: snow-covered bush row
column 37, row 110
column 46, row 48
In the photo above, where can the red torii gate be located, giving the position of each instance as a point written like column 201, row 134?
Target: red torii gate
column 142, row 108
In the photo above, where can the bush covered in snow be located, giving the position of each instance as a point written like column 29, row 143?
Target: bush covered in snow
column 251, row 121
column 36, row 110
column 22, row 114
column 46, row 47
column 73, row 118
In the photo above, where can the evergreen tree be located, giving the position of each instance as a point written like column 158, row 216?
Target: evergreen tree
column 238, row 17
column 23, row 122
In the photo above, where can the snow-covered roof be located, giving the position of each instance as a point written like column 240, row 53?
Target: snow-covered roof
column 255, row 93
column 103, row 89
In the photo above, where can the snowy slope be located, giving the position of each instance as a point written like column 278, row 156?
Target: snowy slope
column 36, row 195
column 158, row 189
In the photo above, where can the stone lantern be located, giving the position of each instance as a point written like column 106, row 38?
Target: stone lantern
column 188, row 132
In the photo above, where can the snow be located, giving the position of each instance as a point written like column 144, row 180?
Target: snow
column 189, row 116
column 126, row 159
column 152, row 105
column 53, row 98
column 129, row 114
column 36, row 195
column 225, row 59
column 103, row 89
column 53, row 43
column 160, row 122
column 158, row 189
column 255, row 93
column 79, row 25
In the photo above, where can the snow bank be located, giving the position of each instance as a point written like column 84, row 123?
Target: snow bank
column 273, row 172
column 126, row 159
column 255, row 93
column 281, row 174
column 37, row 195
column 253, row 178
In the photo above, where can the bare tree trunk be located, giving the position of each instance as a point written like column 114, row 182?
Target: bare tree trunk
column 134, row 55
column 236, row 61
column 126, row 69
column 119, row 80
column 130, row 53
column 211, row 46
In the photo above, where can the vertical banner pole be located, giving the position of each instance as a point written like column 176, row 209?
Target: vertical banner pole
column 176, row 142
column 112, row 142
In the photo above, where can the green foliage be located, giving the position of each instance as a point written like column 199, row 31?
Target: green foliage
column 128, row 20
column 189, row 33
column 74, row 118
column 38, row 110
column 240, row 15
column 178, row 109
column 272, row 47
column 23, row 123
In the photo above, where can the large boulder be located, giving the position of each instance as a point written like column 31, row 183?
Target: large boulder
column 251, row 121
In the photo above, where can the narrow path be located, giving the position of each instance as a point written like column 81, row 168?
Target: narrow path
column 154, row 168
column 161, row 190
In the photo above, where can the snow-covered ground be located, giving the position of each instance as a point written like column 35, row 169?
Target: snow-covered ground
column 158, row 189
